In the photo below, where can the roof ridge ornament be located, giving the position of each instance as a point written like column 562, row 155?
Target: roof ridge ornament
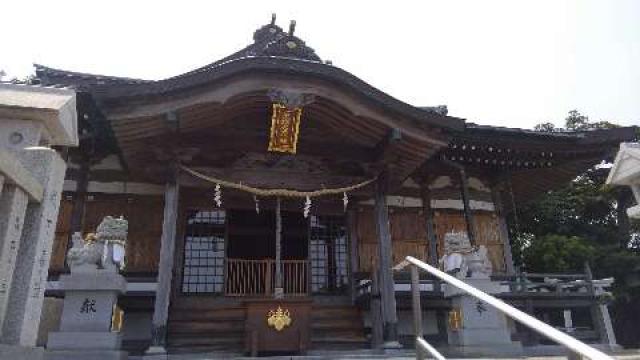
column 292, row 27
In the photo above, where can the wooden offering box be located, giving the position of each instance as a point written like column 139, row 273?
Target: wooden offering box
column 278, row 325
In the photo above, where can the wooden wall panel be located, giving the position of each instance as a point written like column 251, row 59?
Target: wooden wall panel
column 144, row 214
column 408, row 234
column 145, row 230
column 408, row 224
column 366, row 227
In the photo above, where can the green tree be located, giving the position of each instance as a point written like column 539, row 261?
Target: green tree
column 576, row 121
column 559, row 252
column 548, row 127
column 584, row 220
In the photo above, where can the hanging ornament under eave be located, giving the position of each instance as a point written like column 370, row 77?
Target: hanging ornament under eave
column 307, row 207
column 345, row 200
column 285, row 127
column 217, row 195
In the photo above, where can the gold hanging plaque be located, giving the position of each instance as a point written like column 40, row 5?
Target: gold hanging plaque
column 279, row 319
column 285, row 125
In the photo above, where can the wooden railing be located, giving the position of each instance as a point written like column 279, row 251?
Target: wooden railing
column 257, row 277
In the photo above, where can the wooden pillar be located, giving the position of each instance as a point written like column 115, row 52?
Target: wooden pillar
column 278, row 293
column 504, row 230
column 79, row 200
column 417, row 307
column 352, row 228
column 468, row 215
column 430, row 230
column 375, row 307
column 428, row 219
column 387, row 288
column 165, row 270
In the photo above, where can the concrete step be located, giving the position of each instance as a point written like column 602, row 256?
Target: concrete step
column 350, row 355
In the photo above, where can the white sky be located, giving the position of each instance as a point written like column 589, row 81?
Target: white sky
column 510, row 63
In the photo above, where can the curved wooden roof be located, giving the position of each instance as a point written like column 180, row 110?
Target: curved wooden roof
column 349, row 119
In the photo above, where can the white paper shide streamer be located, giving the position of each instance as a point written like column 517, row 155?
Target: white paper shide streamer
column 307, row 207
column 255, row 199
column 217, row 195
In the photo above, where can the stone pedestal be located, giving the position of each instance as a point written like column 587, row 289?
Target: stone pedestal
column 85, row 326
column 482, row 330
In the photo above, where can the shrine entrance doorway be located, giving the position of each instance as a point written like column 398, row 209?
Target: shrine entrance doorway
column 251, row 253
column 232, row 253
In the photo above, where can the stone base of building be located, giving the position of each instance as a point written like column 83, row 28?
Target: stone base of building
column 156, row 353
column 84, row 345
column 559, row 350
column 86, row 354
column 484, row 351
column 15, row 352
column 84, row 341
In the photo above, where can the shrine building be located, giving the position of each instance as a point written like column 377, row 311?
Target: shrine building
column 272, row 178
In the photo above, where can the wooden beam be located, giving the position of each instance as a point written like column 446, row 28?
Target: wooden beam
column 384, row 149
column 258, row 143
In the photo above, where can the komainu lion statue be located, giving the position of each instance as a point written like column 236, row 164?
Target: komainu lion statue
column 103, row 250
column 463, row 260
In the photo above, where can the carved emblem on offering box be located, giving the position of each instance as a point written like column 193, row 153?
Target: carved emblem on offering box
column 285, row 125
column 455, row 319
column 279, row 318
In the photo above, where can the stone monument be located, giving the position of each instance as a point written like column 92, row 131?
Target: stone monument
column 474, row 328
column 32, row 119
column 91, row 294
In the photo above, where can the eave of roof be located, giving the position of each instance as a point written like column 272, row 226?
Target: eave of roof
column 616, row 134
column 117, row 89
column 80, row 79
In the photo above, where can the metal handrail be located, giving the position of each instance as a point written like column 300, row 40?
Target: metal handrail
column 423, row 345
column 525, row 319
